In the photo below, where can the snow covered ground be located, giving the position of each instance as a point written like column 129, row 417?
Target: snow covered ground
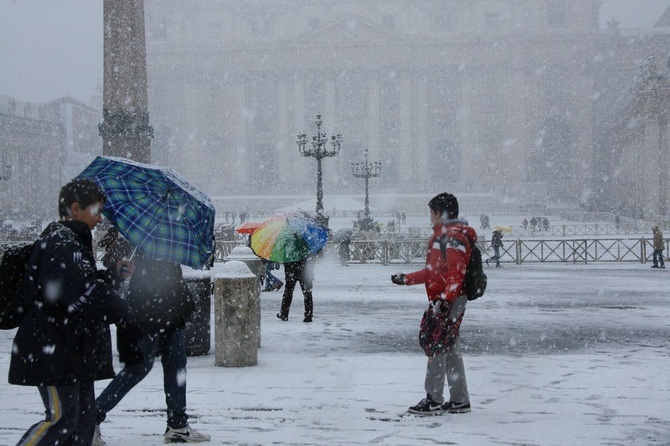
column 555, row 354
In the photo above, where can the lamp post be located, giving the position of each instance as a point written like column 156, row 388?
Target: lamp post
column 366, row 170
column 319, row 151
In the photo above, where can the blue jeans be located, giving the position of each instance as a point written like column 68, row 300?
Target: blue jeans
column 658, row 258
column 171, row 344
column 69, row 419
column 270, row 279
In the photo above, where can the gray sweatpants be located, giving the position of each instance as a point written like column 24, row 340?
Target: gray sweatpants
column 449, row 364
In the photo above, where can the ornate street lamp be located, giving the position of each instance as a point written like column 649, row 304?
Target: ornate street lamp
column 366, row 170
column 319, row 151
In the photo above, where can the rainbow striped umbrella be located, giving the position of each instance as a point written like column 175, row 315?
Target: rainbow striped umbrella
column 289, row 237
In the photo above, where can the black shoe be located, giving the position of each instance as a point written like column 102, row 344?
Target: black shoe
column 307, row 319
column 456, row 407
column 654, row 266
column 283, row 318
column 427, row 407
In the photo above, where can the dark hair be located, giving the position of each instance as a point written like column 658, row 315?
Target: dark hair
column 82, row 191
column 444, row 203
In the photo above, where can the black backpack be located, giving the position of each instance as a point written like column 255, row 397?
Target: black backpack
column 13, row 269
column 474, row 283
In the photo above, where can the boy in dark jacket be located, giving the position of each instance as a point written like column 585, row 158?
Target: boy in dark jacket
column 446, row 263
column 63, row 343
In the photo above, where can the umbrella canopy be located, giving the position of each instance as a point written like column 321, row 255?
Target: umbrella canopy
column 289, row 237
column 248, row 227
column 503, row 229
column 161, row 214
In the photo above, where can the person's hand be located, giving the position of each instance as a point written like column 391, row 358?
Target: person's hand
column 124, row 269
column 398, row 279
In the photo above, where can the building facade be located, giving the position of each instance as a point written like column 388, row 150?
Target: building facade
column 42, row 146
column 478, row 96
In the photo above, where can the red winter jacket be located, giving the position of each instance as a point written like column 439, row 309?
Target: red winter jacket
column 447, row 260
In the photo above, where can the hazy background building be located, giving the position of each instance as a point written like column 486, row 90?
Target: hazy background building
column 522, row 102
column 480, row 96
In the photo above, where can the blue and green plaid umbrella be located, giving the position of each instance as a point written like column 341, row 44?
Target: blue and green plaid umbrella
column 161, row 214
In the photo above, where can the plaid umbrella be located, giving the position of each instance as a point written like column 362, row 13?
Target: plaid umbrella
column 161, row 214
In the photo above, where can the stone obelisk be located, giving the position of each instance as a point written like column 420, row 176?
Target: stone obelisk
column 125, row 128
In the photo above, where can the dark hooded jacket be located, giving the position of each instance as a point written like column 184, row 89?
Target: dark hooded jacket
column 65, row 337
column 159, row 299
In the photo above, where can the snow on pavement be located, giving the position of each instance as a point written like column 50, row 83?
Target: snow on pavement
column 555, row 354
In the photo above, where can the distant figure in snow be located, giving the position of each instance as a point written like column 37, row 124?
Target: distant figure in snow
column 496, row 243
column 659, row 246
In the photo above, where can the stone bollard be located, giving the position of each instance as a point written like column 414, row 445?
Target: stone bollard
column 197, row 332
column 235, row 330
column 246, row 255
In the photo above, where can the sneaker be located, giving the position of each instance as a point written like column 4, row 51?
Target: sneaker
column 283, row 318
column 185, row 435
column 427, row 407
column 307, row 319
column 456, row 407
column 97, row 438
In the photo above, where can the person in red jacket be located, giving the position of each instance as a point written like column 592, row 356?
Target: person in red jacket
column 446, row 262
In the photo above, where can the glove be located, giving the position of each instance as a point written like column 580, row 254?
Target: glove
column 398, row 279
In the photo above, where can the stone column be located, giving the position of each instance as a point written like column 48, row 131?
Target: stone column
column 235, row 294
column 125, row 128
column 246, row 255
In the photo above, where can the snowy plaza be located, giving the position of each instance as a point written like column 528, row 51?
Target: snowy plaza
column 555, row 354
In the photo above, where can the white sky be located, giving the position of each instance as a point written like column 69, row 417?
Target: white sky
column 53, row 48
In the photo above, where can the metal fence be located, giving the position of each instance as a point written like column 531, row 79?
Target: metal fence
column 520, row 251
column 597, row 230
column 583, row 250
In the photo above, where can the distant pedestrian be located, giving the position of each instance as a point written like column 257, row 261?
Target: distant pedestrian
column 524, row 224
column 448, row 255
column 484, row 220
column 272, row 283
column 659, row 246
column 343, row 248
column 496, row 244
column 533, row 225
column 545, row 224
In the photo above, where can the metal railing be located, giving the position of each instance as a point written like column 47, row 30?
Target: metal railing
column 597, row 230
column 520, row 251
column 405, row 251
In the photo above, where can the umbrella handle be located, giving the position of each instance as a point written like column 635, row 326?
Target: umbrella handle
column 133, row 254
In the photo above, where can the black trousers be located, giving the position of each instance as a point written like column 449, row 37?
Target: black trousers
column 70, row 416
column 296, row 272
